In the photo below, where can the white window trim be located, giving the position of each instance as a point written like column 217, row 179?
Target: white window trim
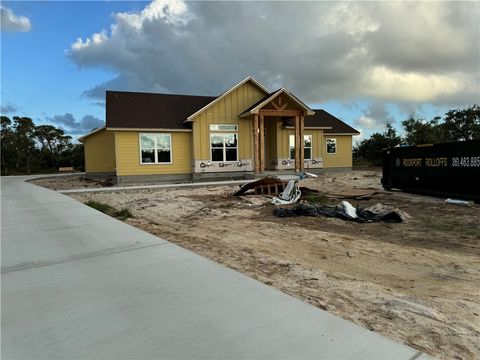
column 155, row 149
column 223, row 131
column 290, row 147
column 224, row 147
column 326, row 146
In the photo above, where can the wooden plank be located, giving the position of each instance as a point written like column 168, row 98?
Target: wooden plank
column 297, row 143
column 266, row 112
column 302, row 144
column 255, row 144
column 262, row 144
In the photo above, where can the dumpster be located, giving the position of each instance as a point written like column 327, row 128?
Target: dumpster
column 445, row 169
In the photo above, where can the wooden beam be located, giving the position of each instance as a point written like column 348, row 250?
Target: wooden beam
column 261, row 151
column 255, row 144
column 266, row 112
column 302, row 145
column 297, row 143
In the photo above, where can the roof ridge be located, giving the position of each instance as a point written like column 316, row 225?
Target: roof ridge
column 154, row 93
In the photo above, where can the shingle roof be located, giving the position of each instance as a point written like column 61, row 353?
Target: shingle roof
column 151, row 111
column 137, row 110
column 323, row 119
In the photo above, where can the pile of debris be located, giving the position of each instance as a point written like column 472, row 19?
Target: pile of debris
column 344, row 210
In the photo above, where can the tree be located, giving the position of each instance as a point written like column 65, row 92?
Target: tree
column 6, row 139
column 462, row 124
column 419, row 131
column 53, row 141
column 23, row 140
column 370, row 150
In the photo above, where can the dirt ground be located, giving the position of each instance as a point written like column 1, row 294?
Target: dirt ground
column 416, row 282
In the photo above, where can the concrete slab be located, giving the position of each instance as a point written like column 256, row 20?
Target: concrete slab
column 102, row 289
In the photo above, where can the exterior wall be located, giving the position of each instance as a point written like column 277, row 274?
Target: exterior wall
column 343, row 157
column 283, row 148
column 226, row 112
column 127, row 152
column 99, row 151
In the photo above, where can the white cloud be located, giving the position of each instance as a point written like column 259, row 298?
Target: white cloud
column 11, row 22
column 412, row 52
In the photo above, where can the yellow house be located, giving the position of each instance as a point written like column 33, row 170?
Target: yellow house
column 245, row 131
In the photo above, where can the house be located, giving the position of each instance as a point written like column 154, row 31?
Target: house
column 245, row 131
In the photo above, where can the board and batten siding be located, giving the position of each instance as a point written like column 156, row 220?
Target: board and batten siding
column 226, row 111
column 343, row 157
column 100, row 152
column 127, row 151
column 283, row 144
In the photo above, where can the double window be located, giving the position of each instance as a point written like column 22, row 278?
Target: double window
column 331, row 145
column 224, row 142
column 307, row 147
column 224, row 147
column 155, row 148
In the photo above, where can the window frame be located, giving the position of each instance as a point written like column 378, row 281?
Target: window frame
column 326, row 146
column 224, row 148
column 155, row 148
column 290, row 148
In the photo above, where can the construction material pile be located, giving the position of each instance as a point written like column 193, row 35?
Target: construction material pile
column 344, row 210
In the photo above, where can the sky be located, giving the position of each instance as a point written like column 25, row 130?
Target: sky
column 368, row 63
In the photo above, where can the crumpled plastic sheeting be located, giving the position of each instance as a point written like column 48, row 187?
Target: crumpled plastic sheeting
column 344, row 211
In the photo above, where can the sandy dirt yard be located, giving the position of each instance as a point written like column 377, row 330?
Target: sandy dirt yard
column 416, row 282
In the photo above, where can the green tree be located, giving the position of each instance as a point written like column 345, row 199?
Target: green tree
column 462, row 124
column 23, row 141
column 370, row 150
column 420, row 131
column 53, row 141
column 6, row 140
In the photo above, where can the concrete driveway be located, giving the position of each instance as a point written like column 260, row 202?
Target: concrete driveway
column 79, row 284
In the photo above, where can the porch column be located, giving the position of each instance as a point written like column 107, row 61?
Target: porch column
column 297, row 143
column 302, row 144
column 255, row 144
column 261, row 151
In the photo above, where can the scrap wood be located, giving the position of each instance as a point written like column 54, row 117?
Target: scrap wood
column 357, row 194
column 264, row 186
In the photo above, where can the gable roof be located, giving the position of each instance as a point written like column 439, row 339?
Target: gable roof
column 323, row 120
column 271, row 96
column 150, row 111
column 244, row 81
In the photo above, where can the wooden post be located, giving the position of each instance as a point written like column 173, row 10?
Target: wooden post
column 302, row 145
column 297, row 143
column 261, row 151
column 255, row 144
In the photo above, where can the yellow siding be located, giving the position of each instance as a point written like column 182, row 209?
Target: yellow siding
column 283, row 142
column 226, row 111
column 100, row 152
column 128, row 155
column 343, row 157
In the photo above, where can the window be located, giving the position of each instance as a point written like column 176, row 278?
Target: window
column 331, row 146
column 307, row 147
column 224, row 147
column 223, row 127
column 155, row 148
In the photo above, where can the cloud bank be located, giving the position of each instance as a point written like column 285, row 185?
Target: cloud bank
column 8, row 109
column 11, row 22
column 73, row 126
column 410, row 52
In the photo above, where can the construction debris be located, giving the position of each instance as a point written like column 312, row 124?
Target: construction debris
column 290, row 196
column 265, row 186
column 345, row 211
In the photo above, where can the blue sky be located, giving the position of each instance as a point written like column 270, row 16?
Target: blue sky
column 366, row 63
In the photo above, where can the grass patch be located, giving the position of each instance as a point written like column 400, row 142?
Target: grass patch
column 122, row 214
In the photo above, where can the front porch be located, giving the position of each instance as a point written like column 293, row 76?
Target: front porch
column 270, row 118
